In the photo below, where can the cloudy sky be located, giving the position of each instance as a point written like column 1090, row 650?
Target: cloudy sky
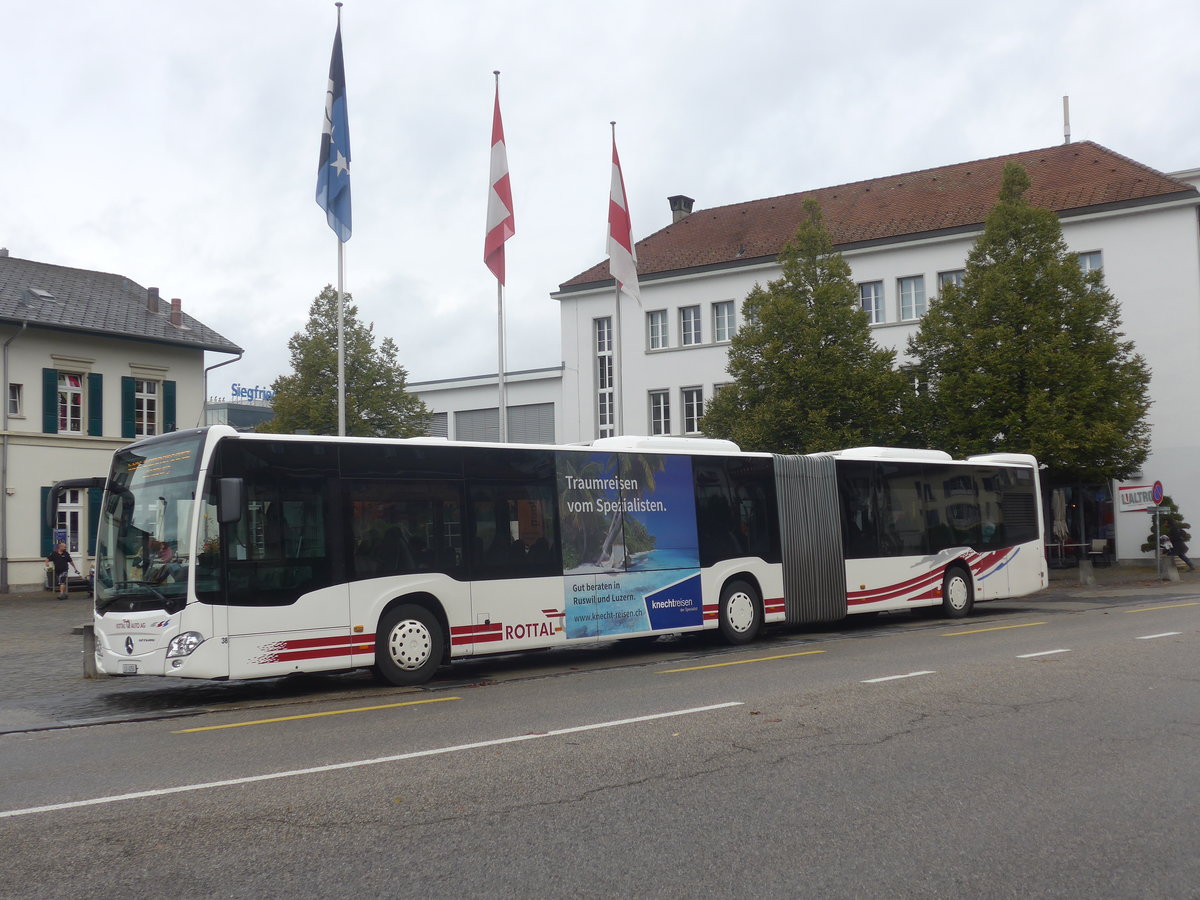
column 176, row 142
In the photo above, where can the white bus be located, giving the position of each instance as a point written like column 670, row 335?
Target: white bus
column 223, row 555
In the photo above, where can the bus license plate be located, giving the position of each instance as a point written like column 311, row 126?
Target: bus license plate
column 128, row 668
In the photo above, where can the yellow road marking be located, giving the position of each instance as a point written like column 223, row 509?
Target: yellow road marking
column 1156, row 608
column 740, row 662
column 996, row 628
column 333, row 712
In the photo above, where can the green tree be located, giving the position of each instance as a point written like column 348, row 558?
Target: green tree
column 378, row 403
column 807, row 374
column 1168, row 509
column 1028, row 355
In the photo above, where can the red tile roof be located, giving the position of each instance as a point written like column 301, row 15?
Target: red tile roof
column 1068, row 178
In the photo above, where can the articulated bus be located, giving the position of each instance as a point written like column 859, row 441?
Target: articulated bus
column 224, row 555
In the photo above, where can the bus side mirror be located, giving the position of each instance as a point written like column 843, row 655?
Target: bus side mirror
column 231, row 497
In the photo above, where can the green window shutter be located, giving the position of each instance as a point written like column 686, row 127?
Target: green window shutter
column 46, row 533
column 128, row 428
column 168, row 407
column 95, row 404
column 95, row 498
column 50, row 401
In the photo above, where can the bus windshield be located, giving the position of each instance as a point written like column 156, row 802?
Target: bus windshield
column 143, row 549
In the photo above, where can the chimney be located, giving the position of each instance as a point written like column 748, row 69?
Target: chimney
column 3, row 253
column 177, row 312
column 681, row 207
column 152, row 300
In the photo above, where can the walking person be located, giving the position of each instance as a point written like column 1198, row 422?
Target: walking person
column 1178, row 546
column 61, row 559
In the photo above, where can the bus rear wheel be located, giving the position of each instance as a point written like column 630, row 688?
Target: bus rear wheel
column 740, row 616
column 408, row 645
column 958, row 593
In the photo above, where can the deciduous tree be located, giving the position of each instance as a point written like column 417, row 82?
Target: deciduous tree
column 1028, row 354
column 807, row 374
column 378, row 403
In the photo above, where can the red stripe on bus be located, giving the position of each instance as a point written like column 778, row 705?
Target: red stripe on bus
column 319, row 653
column 301, row 643
column 468, row 630
column 928, row 586
column 891, row 591
column 460, row 640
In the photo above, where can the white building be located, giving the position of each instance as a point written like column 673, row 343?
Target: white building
column 91, row 361
column 902, row 236
column 467, row 409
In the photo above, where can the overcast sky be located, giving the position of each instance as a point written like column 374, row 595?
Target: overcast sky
column 176, row 142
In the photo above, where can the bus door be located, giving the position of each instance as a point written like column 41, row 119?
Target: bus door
column 516, row 571
column 285, row 599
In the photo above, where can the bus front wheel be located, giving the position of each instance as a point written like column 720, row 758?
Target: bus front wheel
column 740, row 614
column 408, row 645
column 958, row 593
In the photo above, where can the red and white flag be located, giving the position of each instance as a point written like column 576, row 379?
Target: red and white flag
column 622, row 256
column 500, row 224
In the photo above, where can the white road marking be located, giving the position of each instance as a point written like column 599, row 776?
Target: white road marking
column 895, row 677
column 162, row 792
column 1043, row 653
column 1150, row 637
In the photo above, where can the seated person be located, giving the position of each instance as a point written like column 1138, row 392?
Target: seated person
column 162, row 564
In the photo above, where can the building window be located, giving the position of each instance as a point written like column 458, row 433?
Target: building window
column 605, row 419
column 912, row 297
column 918, row 384
column 70, row 403
column 16, row 400
column 656, row 329
column 1090, row 262
column 954, row 277
column 145, row 408
column 870, row 294
column 689, row 325
column 70, row 508
column 660, row 412
column 693, row 409
column 723, row 324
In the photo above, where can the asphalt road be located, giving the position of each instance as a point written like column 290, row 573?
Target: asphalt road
column 1040, row 749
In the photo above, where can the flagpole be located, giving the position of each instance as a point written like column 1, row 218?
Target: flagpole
column 341, row 325
column 618, row 382
column 333, row 195
column 500, row 227
column 502, row 412
column 500, row 331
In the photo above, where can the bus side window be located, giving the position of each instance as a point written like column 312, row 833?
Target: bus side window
column 278, row 549
column 513, row 502
column 859, row 489
column 735, row 509
column 514, row 532
column 402, row 527
column 902, row 509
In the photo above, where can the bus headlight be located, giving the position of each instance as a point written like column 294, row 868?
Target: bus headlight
column 184, row 644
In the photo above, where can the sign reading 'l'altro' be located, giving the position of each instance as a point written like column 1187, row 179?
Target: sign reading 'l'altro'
column 1139, row 498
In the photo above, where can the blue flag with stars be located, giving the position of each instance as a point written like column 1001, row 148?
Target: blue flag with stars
column 333, row 171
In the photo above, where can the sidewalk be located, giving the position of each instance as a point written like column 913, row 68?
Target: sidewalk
column 1108, row 578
